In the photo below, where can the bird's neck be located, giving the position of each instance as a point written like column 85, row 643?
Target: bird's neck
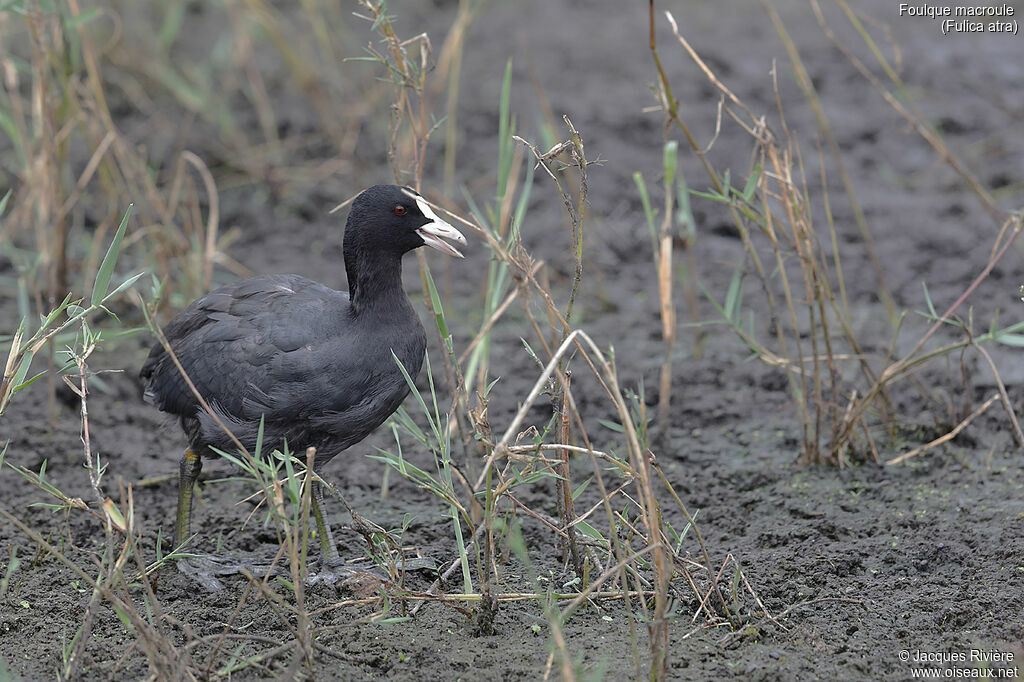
column 375, row 279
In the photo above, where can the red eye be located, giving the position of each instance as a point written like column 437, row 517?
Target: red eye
column 400, row 210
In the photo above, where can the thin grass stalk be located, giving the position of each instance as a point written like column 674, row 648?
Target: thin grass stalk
column 671, row 104
column 825, row 409
column 484, row 333
column 299, row 555
column 797, row 379
column 842, row 308
column 487, row 568
column 576, row 214
column 1018, row 435
column 946, row 436
column 450, row 63
column 690, row 284
column 509, row 162
column 824, row 299
column 80, row 358
column 807, row 86
column 49, row 124
column 795, row 205
column 823, row 280
column 453, row 371
column 802, row 242
column 570, row 552
column 213, row 216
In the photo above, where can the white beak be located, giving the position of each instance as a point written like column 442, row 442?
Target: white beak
column 434, row 232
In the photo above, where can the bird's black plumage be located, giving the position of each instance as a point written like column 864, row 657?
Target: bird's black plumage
column 293, row 352
column 314, row 363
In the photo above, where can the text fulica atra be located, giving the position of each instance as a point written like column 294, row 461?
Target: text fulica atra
column 314, row 363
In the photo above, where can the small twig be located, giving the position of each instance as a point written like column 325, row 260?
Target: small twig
column 1018, row 436
column 949, row 436
column 733, row 637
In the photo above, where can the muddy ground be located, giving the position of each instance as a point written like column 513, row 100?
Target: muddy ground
column 925, row 557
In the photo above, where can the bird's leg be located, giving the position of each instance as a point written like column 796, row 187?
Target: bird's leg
column 188, row 472
column 203, row 568
column 328, row 550
column 331, row 569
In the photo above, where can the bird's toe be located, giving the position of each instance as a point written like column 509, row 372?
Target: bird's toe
column 207, row 569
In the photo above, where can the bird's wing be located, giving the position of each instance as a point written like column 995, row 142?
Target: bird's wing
column 245, row 342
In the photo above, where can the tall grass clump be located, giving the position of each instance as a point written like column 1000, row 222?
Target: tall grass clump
column 107, row 571
column 840, row 391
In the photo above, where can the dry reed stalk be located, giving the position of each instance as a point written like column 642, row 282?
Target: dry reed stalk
column 668, row 311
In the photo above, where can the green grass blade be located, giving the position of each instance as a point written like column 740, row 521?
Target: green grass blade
column 670, row 160
column 649, row 211
column 748, row 189
column 419, row 398
column 122, row 286
column 505, row 142
column 99, row 287
column 435, row 301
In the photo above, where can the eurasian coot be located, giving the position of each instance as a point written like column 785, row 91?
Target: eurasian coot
column 314, row 363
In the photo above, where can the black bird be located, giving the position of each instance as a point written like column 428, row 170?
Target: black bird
column 314, row 363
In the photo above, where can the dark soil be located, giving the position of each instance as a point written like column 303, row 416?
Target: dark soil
column 869, row 560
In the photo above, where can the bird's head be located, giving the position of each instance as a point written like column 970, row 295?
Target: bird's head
column 397, row 219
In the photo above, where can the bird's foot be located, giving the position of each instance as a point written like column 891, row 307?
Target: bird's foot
column 207, row 569
column 330, row 572
column 361, row 576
